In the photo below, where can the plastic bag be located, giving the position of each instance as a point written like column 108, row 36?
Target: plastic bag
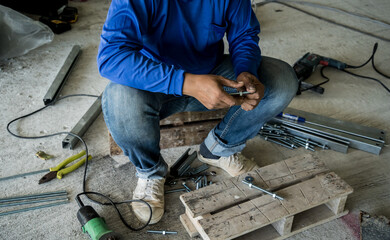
column 20, row 34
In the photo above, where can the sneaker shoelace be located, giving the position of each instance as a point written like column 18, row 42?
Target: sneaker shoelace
column 238, row 159
column 152, row 188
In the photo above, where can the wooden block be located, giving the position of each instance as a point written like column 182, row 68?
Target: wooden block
column 337, row 205
column 188, row 225
column 284, row 225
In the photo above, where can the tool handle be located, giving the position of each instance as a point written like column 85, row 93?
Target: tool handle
column 67, row 161
column 67, row 170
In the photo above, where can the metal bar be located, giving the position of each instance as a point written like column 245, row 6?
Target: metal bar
column 40, row 195
column 351, row 128
column 263, row 190
column 24, row 174
column 334, row 145
column 83, row 124
column 32, row 202
column 33, row 208
column 186, row 164
column 62, row 76
column 360, row 143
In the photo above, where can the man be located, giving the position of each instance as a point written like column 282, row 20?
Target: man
column 166, row 56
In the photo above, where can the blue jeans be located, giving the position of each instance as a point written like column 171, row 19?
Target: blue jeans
column 132, row 116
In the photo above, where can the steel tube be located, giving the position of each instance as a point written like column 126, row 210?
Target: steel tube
column 83, row 124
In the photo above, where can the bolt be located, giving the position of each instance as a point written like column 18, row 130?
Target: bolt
column 264, row 191
column 161, row 232
column 186, row 187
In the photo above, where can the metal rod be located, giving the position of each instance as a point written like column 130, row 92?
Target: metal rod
column 176, row 190
column 32, row 208
column 340, row 125
column 264, row 191
column 59, row 81
column 33, row 196
column 161, row 232
column 24, row 174
column 83, row 124
column 186, row 187
column 32, row 202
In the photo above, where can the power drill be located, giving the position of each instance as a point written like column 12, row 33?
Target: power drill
column 306, row 65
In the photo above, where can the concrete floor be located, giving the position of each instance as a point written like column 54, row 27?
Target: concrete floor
column 286, row 34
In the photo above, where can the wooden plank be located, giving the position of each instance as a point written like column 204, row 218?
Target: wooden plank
column 283, row 226
column 185, row 117
column 191, row 230
column 188, row 134
column 206, row 199
column 297, row 198
column 238, row 219
column 229, row 192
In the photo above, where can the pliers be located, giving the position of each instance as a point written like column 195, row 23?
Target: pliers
column 59, row 171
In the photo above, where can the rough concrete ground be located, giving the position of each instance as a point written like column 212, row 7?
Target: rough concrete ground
column 286, row 34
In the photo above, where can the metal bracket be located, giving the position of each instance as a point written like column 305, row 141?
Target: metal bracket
column 62, row 76
column 83, row 124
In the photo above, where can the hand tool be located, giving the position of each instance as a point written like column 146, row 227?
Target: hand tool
column 59, row 171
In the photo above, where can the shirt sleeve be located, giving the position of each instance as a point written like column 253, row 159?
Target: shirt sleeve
column 119, row 58
column 242, row 35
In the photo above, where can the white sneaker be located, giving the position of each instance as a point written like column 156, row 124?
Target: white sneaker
column 235, row 164
column 152, row 192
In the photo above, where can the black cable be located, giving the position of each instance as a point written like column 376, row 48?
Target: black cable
column 112, row 203
column 371, row 57
column 116, row 208
column 366, row 77
column 321, row 83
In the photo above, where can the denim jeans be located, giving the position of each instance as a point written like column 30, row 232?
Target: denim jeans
column 132, row 116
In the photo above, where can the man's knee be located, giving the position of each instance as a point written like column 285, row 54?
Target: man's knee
column 124, row 103
column 279, row 78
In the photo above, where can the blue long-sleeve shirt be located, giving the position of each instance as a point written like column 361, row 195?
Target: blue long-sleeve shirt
column 150, row 44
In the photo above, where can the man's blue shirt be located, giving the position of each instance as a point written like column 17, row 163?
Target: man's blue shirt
column 150, row 44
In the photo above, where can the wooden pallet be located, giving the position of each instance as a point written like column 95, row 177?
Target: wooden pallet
column 230, row 209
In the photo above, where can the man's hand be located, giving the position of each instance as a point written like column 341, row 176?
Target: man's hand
column 208, row 89
column 252, row 85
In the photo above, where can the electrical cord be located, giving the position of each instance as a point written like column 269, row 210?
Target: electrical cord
column 84, row 192
column 371, row 59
